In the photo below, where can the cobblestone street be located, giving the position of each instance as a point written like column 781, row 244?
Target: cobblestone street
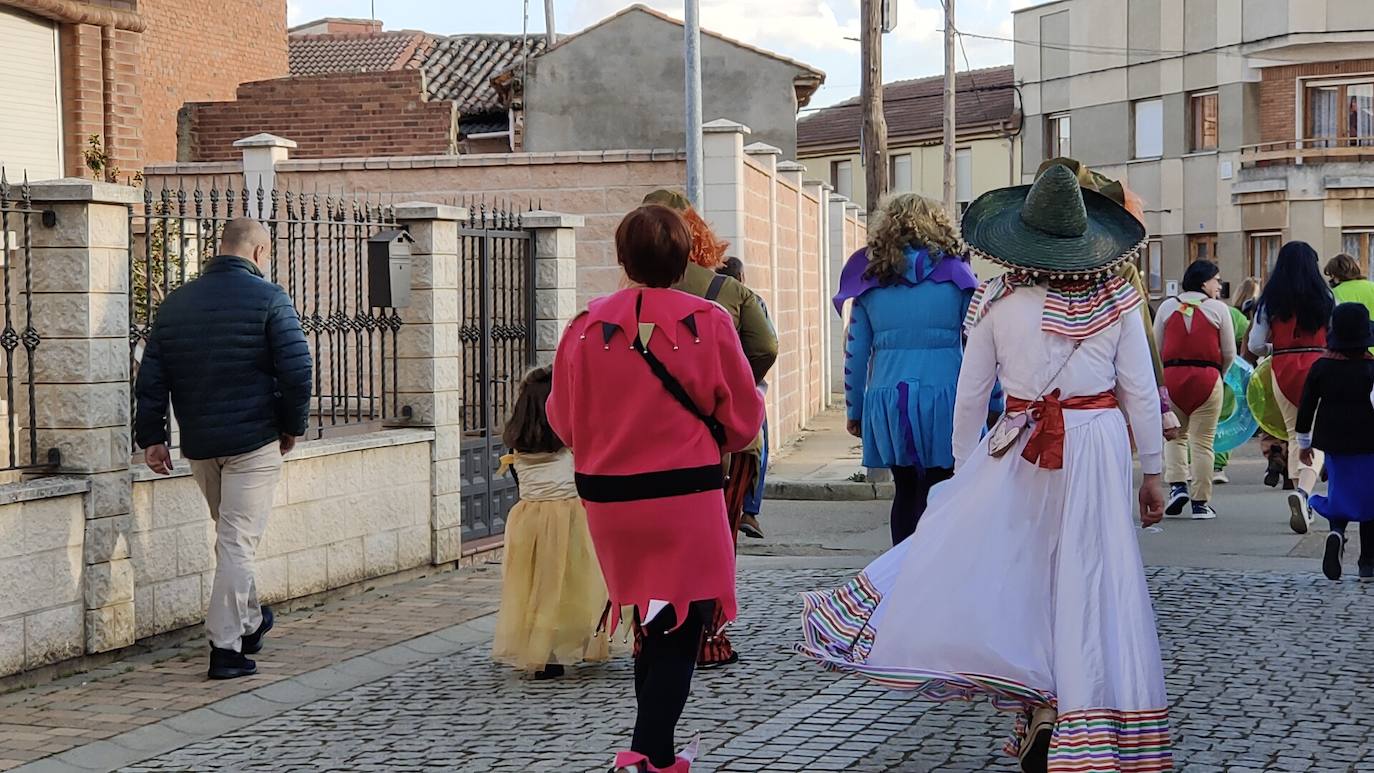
column 1266, row 672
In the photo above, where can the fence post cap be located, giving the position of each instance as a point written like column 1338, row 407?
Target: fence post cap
column 424, row 210
column 725, row 126
column 78, row 189
column 540, row 218
column 762, row 149
column 265, row 140
column 791, row 166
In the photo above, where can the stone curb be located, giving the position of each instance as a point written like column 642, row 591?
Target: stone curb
column 825, row 491
column 230, row 714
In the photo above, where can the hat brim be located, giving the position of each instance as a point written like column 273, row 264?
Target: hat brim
column 993, row 228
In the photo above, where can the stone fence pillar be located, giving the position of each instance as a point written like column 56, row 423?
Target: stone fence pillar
column 723, row 180
column 261, row 153
column 430, row 367
column 80, row 307
column 555, row 277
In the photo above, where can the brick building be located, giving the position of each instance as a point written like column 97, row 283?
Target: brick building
column 119, row 70
column 1241, row 124
column 357, row 90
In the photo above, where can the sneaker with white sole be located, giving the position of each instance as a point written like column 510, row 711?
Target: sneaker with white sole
column 1203, row 512
column 1178, row 499
column 1299, row 513
column 1366, row 573
column 1220, row 477
column 1331, row 557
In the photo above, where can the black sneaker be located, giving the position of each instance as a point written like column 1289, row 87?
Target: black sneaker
column 227, row 664
column 1299, row 513
column 550, row 671
column 1278, row 465
column 1331, row 559
column 1178, row 498
column 749, row 526
column 252, row 643
column 1203, row 511
column 1366, row 572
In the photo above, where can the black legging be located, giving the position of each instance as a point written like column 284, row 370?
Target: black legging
column 909, row 502
column 663, row 678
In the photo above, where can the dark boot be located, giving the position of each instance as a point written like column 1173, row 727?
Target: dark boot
column 551, row 671
column 1278, row 467
column 252, row 643
column 1035, row 747
column 227, row 664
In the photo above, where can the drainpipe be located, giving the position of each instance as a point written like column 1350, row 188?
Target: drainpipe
column 107, row 88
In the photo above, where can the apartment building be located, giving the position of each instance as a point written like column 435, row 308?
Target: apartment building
column 987, row 121
column 1241, row 123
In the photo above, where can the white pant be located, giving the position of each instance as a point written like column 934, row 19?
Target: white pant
column 239, row 490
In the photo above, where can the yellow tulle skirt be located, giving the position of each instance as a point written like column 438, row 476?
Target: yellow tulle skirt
column 552, row 592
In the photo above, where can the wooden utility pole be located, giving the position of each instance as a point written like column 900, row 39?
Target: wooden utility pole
column 550, row 37
column 871, row 94
column 951, row 180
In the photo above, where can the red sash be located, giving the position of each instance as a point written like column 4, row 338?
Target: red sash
column 1046, row 444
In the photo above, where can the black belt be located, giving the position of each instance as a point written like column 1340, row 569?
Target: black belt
column 1301, row 350
column 1193, row 364
column 607, row 489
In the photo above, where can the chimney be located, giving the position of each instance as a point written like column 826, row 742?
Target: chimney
column 337, row 26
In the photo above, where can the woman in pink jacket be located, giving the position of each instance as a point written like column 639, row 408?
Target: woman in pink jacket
column 650, row 386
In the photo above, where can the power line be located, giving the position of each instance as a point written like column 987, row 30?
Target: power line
column 892, row 100
column 1088, row 48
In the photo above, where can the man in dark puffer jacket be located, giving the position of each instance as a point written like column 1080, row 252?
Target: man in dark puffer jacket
column 229, row 351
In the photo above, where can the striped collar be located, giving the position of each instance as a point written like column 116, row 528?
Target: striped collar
column 1077, row 309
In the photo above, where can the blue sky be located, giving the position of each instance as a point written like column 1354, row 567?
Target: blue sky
column 812, row 31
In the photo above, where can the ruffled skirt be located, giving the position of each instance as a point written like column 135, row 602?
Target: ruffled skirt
column 552, row 594
column 1025, row 586
column 910, row 424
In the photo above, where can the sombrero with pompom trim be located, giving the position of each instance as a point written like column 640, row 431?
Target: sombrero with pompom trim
column 1053, row 228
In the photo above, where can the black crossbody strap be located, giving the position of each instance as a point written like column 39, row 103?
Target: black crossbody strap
column 679, row 393
column 675, row 387
column 717, row 283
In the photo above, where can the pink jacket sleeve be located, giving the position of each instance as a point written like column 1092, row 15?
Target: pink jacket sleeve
column 739, row 402
column 560, row 405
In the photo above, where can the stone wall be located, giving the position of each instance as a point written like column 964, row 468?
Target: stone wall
column 42, row 613
column 347, row 510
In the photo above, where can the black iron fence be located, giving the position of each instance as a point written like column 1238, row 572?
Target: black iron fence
column 496, row 274
column 318, row 254
column 20, row 339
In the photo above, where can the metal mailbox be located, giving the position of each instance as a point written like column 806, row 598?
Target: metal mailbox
column 388, row 269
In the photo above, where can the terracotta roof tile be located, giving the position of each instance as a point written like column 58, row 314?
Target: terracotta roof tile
column 366, row 52
column 915, row 107
column 459, row 68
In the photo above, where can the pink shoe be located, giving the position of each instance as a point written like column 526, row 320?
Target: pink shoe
column 634, row 762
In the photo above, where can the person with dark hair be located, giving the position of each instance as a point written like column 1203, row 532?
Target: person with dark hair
column 1291, row 321
column 1348, row 282
column 552, row 594
column 1197, row 341
column 753, row 500
column 760, row 343
column 650, row 388
column 1337, row 416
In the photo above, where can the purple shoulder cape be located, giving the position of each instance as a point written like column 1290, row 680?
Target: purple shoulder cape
column 853, row 283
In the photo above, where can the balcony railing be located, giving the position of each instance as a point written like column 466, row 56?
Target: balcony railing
column 1309, row 151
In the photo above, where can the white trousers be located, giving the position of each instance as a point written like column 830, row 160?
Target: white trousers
column 240, row 490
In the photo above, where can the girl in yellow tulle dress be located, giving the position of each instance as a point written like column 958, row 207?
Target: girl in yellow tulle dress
column 552, row 592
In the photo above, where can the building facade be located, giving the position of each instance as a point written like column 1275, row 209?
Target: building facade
column 118, row 71
column 1176, row 97
column 986, row 153
column 620, row 84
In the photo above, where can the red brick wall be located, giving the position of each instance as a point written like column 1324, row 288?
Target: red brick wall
column 329, row 116
column 1279, row 94
column 200, row 51
column 83, row 97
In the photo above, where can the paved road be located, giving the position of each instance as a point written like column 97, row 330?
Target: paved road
column 1267, row 671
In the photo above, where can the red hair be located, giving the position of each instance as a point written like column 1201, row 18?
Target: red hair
column 708, row 251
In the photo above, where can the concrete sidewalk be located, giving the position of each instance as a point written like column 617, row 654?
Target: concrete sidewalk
column 826, row 464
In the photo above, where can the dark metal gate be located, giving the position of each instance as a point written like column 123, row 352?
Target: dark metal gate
column 496, row 274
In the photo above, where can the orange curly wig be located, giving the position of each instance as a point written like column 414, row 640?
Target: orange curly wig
column 708, row 251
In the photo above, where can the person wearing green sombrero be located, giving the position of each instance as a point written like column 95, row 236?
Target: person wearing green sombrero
column 1042, row 604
